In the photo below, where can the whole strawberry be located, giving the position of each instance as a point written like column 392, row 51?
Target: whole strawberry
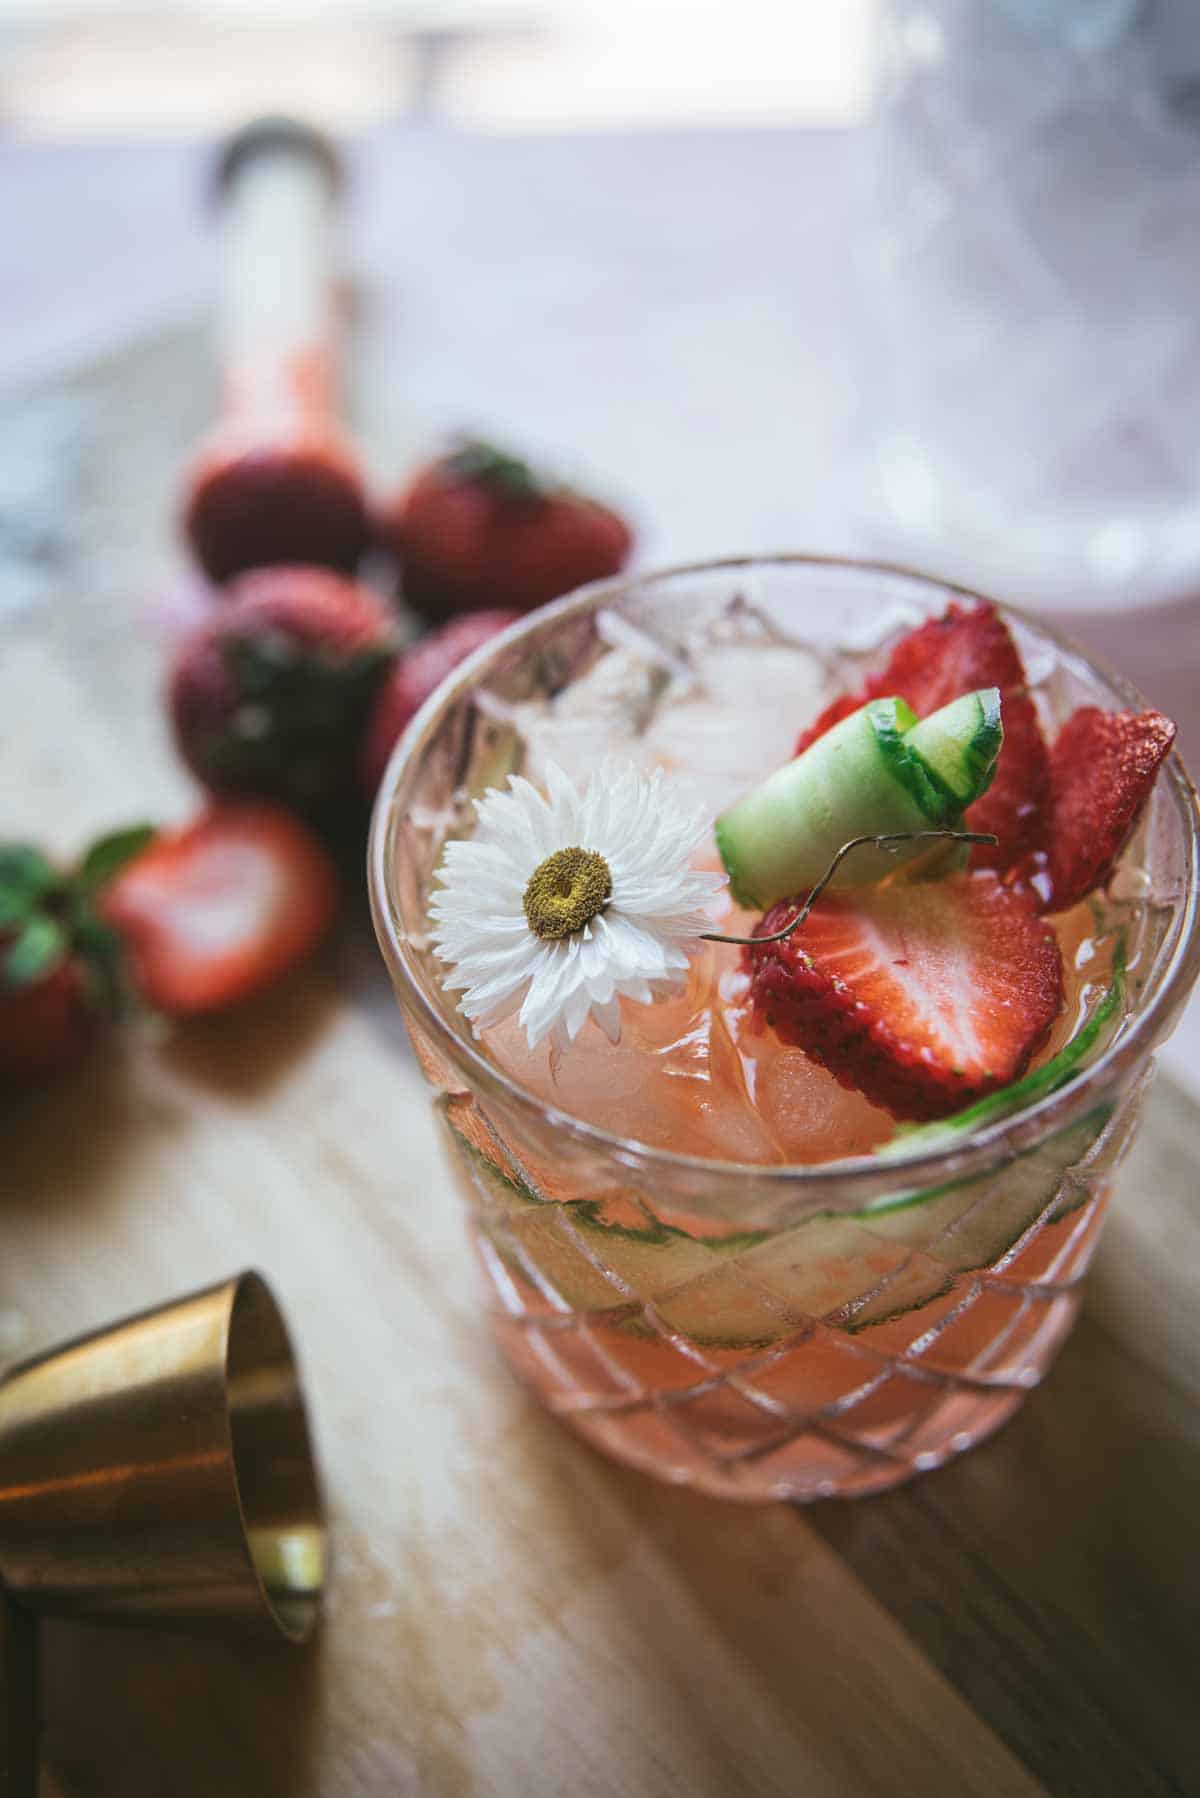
column 477, row 529
column 253, row 506
column 270, row 698
column 414, row 676
column 61, row 970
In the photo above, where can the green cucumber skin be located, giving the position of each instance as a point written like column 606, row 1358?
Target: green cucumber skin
column 877, row 771
column 895, row 726
column 817, row 1266
column 960, row 744
column 983, row 753
column 782, row 836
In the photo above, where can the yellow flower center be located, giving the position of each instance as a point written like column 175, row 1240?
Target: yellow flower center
column 566, row 891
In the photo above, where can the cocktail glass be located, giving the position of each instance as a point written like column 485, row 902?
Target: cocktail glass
column 764, row 1331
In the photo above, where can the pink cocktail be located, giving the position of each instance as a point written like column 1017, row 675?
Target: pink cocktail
column 711, row 1258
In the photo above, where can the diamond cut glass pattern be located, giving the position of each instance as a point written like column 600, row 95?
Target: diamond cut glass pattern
column 826, row 1356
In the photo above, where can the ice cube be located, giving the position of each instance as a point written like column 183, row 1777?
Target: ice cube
column 674, row 1080
column 601, row 714
column 739, row 721
column 723, row 726
column 808, row 1113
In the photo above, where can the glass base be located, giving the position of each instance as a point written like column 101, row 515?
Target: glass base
column 829, row 1409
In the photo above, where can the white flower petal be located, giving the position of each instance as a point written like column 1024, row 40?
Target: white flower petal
column 549, row 994
column 608, row 1016
column 637, row 948
column 575, row 1011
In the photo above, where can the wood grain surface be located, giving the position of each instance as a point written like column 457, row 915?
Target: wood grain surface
column 19, row 1699
column 509, row 1615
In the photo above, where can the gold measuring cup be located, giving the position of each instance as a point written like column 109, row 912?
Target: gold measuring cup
column 158, row 1471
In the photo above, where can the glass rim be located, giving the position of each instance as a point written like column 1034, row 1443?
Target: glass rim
column 1016, row 1131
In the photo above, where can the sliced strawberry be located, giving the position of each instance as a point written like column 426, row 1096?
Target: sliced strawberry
column 215, row 912
column 1102, row 768
column 1012, row 808
column 967, row 648
column 924, row 995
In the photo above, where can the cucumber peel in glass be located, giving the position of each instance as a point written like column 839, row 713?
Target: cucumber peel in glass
column 879, row 771
column 858, row 1268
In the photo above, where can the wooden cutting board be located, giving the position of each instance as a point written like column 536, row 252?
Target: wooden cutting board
column 510, row 1615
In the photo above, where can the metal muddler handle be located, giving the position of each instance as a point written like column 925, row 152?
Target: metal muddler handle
column 159, row 1471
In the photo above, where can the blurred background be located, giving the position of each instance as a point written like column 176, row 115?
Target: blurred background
column 510, row 65
column 930, row 261
column 907, row 277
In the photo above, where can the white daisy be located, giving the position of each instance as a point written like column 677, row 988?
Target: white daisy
column 563, row 905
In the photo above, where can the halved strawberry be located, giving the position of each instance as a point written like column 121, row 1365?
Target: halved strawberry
column 1102, row 767
column 967, row 648
column 215, row 912
column 924, row 995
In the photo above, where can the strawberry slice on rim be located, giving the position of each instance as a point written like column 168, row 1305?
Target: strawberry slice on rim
column 923, row 995
column 965, row 649
column 215, row 912
column 1102, row 767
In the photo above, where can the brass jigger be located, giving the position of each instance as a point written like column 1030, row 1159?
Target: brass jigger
column 154, row 1472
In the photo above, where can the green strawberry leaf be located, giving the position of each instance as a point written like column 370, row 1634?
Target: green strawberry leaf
column 256, row 664
column 34, row 952
column 508, row 476
column 25, row 877
column 292, row 721
column 109, row 854
column 101, row 950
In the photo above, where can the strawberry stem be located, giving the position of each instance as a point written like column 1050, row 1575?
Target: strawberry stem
column 507, row 475
column 889, row 841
